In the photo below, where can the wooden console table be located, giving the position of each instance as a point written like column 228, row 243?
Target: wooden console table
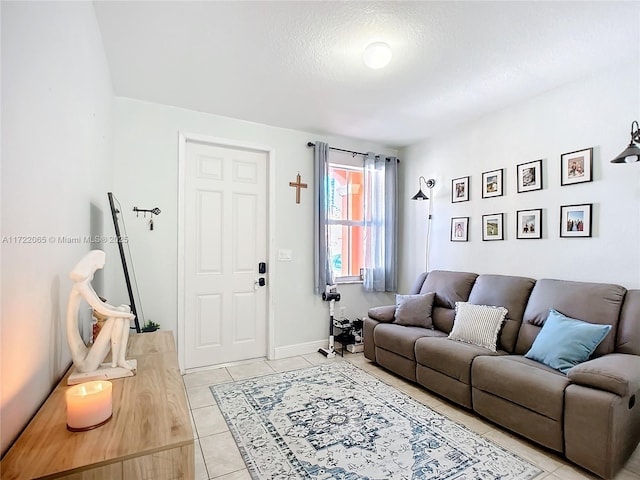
column 149, row 436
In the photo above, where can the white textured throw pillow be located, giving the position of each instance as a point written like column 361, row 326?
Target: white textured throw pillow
column 478, row 324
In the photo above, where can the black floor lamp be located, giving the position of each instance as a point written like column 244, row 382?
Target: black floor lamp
column 421, row 196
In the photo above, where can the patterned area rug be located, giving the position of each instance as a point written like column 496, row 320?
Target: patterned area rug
column 335, row 421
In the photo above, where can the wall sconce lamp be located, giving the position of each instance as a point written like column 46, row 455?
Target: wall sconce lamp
column 632, row 152
column 421, row 196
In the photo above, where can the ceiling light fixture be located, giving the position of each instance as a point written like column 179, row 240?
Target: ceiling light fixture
column 632, row 153
column 377, row 55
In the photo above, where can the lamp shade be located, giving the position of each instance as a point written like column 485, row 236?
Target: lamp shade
column 632, row 152
column 420, row 196
column 630, row 155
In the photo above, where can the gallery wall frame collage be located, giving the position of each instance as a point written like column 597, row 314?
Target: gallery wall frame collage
column 575, row 220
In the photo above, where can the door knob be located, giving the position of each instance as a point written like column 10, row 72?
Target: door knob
column 260, row 282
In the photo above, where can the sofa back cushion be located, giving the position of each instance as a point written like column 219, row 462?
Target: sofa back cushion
column 628, row 340
column 449, row 287
column 417, row 284
column 598, row 303
column 504, row 291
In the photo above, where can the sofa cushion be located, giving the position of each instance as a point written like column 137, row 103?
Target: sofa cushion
column 507, row 291
column 417, row 283
column 450, row 287
column 564, row 342
column 443, row 318
column 478, row 324
column 521, row 381
column 400, row 339
column 598, row 303
column 414, row 310
column 449, row 357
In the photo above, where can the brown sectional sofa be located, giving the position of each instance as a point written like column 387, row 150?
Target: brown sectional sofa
column 591, row 414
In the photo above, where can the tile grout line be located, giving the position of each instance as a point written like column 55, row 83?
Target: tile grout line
column 206, row 469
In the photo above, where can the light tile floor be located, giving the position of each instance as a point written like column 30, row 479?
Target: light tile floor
column 217, row 455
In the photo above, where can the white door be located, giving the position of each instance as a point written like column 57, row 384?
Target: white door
column 225, row 209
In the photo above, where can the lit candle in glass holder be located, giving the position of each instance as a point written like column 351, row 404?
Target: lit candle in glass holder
column 88, row 405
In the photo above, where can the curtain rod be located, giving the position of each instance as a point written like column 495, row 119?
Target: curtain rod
column 311, row 144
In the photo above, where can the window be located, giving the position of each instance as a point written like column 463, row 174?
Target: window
column 355, row 234
column 345, row 222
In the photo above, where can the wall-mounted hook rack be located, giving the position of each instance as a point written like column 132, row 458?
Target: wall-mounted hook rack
column 153, row 211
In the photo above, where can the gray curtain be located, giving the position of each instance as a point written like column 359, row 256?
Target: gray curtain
column 381, row 223
column 323, row 275
column 391, row 225
column 374, row 223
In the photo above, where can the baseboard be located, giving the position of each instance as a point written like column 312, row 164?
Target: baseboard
column 299, row 349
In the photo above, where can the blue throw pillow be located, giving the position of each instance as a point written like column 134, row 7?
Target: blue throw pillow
column 564, row 342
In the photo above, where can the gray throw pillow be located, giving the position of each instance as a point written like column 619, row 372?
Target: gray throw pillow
column 414, row 310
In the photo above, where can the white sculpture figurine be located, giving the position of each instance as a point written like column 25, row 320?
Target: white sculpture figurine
column 114, row 334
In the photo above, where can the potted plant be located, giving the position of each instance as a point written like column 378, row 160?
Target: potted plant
column 150, row 326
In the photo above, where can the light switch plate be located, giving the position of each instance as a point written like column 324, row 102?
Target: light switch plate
column 284, row 255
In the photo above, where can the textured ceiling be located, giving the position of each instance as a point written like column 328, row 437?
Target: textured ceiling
column 298, row 64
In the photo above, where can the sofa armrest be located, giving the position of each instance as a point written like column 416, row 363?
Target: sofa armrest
column 617, row 373
column 384, row 314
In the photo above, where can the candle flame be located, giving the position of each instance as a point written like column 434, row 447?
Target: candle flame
column 89, row 388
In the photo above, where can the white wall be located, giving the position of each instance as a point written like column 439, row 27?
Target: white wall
column 146, row 168
column 595, row 112
column 56, row 154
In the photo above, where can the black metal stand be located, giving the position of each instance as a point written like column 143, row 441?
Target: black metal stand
column 349, row 332
column 114, row 215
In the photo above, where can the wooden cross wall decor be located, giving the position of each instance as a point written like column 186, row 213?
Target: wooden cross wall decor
column 297, row 185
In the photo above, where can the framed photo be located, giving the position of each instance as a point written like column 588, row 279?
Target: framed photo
column 530, row 176
column 460, row 189
column 575, row 220
column 492, row 226
column 576, row 167
column 460, row 229
column 529, row 223
column 492, row 183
